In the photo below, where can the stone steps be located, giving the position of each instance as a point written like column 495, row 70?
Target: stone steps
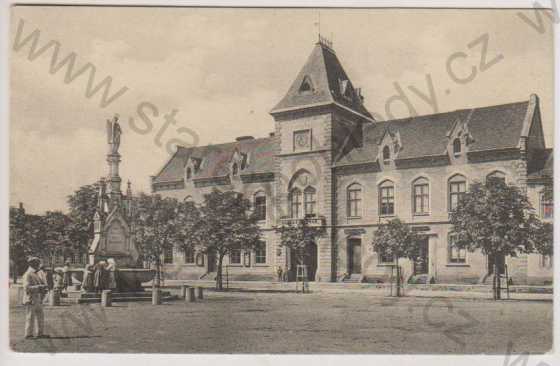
column 89, row 297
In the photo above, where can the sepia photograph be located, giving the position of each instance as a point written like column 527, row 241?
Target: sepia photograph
column 245, row 180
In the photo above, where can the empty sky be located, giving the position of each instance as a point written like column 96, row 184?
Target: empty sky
column 222, row 70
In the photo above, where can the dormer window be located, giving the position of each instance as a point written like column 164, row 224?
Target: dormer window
column 386, row 155
column 189, row 173
column 306, row 85
column 457, row 147
column 235, row 169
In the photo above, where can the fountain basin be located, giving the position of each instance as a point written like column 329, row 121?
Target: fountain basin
column 128, row 279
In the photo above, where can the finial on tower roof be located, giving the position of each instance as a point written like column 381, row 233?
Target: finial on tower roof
column 325, row 42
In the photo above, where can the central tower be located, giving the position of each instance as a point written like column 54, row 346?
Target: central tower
column 319, row 118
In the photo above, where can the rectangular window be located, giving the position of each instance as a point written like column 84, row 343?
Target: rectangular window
column 295, row 204
column 354, row 202
column 385, row 258
column 421, row 199
column 309, row 201
column 456, row 191
column 235, row 256
column 387, row 201
column 260, row 253
column 189, row 256
column 260, row 207
column 456, row 255
column 546, row 261
column 168, row 255
column 547, row 208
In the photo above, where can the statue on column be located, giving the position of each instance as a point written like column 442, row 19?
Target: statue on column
column 114, row 134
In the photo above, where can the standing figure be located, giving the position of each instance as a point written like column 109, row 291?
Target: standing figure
column 279, row 272
column 34, row 291
column 58, row 279
column 87, row 283
column 47, row 277
column 99, row 281
column 67, row 275
column 111, row 274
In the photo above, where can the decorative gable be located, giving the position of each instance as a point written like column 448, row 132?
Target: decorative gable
column 192, row 167
column 388, row 148
column 238, row 163
column 459, row 139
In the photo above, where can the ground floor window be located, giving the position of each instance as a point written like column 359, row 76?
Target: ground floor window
column 260, row 253
column 189, row 256
column 456, row 255
column 385, row 258
column 168, row 255
column 546, row 261
column 235, row 256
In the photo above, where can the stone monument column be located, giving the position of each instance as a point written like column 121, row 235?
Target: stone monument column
column 113, row 160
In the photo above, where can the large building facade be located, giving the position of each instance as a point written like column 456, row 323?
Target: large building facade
column 328, row 159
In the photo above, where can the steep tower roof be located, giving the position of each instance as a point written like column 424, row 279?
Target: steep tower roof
column 321, row 81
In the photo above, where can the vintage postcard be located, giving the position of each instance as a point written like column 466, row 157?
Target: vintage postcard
column 193, row 180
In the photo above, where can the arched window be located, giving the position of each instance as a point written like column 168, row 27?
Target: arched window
column 189, row 173
column 457, row 146
column 354, row 200
column 295, row 203
column 386, row 198
column 188, row 199
column 234, row 169
column 260, row 205
column 421, row 196
column 457, row 186
column 309, row 200
column 496, row 176
column 386, row 155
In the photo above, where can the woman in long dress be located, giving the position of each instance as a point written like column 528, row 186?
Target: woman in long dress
column 99, row 277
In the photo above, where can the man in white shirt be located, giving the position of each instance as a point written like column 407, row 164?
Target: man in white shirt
column 34, row 291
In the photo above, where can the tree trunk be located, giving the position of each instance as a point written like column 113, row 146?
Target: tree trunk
column 158, row 272
column 15, row 272
column 498, row 283
column 398, row 278
column 219, row 282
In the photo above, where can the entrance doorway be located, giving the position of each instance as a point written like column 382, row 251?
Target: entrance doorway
column 499, row 260
column 422, row 262
column 211, row 261
column 354, row 256
column 308, row 258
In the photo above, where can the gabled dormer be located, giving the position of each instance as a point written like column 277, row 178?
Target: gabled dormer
column 192, row 167
column 388, row 149
column 307, row 86
column 458, row 141
column 237, row 164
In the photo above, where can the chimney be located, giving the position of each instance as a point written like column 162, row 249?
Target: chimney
column 21, row 206
column 244, row 138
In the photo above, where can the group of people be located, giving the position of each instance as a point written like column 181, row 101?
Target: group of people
column 38, row 281
column 100, row 276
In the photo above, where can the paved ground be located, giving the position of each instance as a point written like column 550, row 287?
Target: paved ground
column 320, row 322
